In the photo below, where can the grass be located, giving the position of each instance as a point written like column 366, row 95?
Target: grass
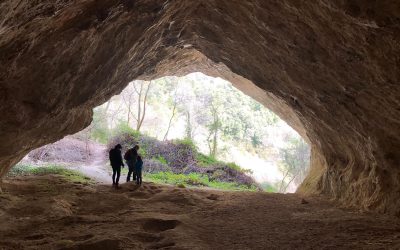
column 194, row 180
column 205, row 160
column 67, row 174
column 188, row 142
column 268, row 187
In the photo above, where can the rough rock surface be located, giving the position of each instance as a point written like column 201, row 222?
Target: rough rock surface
column 51, row 212
column 330, row 68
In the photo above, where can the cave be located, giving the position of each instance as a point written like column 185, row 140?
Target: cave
column 330, row 69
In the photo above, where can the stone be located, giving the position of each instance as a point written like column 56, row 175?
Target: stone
column 329, row 68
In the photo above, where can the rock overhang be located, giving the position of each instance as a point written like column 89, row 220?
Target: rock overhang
column 329, row 69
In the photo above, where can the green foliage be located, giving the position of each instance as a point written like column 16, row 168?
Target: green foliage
column 295, row 155
column 187, row 142
column 194, row 179
column 143, row 152
column 234, row 166
column 99, row 130
column 100, row 135
column 161, row 159
column 205, row 160
column 67, row 174
column 295, row 160
column 256, row 140
column 126, row 136
column 20, row 169
column 267, row 187
column 124, row 128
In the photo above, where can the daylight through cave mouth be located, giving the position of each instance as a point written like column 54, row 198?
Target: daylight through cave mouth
column 194, row 130
column 328, row 69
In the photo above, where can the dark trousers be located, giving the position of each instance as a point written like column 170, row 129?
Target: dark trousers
column 138, row 177
column 131, row 171
column 117, row 172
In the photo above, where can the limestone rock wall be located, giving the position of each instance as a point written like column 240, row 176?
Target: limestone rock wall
column 329, row 68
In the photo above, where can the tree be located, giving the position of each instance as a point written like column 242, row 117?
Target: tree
column 128, row 97
column 142, row 93
column 295, row 160
column 174, row 111
column 137, row 91
column 213, row 128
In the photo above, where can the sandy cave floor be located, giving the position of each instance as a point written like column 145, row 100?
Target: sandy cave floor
column 48, row 212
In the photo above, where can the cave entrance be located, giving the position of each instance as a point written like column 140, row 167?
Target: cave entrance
column 195, row 130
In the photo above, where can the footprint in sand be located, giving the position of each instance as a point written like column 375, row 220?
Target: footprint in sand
column 152, row 189
column 146, row 237
column 141, row 195
column 162, row 245
column 159, row 225
column 99, row 245
column 36, row 237
column 81, row 237
column 213, row 197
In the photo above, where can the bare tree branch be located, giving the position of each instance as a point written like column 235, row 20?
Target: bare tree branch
column 173, row 114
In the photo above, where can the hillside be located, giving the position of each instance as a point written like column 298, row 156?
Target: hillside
column 179, row 162
column 176, row 162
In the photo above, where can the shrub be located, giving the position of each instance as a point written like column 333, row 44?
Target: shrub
column 195, row 179
column 20, row 169
column 178, row 161
column 124, row 128
column 205, row 160
column 161, row 159
column 187, row 142
column 233, row 166
column 155, row 166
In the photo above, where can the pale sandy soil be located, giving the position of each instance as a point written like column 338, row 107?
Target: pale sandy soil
column 47, row 212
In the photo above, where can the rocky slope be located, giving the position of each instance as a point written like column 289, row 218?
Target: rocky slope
column 329, row 68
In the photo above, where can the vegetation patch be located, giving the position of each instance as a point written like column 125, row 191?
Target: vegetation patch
column 67, row 174
column 205, row 160
column 195, row 180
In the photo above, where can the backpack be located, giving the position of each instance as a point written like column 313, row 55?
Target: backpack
column 128, row 155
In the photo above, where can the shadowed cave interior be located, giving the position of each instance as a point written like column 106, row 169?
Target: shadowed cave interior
column 329, row 69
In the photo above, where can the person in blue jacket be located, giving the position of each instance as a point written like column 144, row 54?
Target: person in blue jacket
column 138, row 170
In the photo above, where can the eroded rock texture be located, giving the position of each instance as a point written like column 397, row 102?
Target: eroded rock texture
column 329, row 68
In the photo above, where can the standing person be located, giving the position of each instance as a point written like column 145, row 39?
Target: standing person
column 116, row 163
column 138, row 169
column 131, row 157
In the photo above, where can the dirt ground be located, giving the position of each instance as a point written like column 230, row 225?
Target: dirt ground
column 48, row 212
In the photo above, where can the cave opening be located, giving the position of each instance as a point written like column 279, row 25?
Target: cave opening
column 236, row 143
column 328, row 68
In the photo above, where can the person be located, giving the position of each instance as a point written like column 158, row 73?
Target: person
column 131, row 157
column 116, row 163
column 138, row 170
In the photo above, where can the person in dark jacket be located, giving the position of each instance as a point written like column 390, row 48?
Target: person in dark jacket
column 131, row 157
column 138, row 170
column 116, row 163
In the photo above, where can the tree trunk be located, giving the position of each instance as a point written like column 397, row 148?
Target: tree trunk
column 209, row 143
column 283, row 180
column 214, row 149
column 139, row 106
column 188, row 126
column 287, row 185
column 141, row 119
column 170, row 121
